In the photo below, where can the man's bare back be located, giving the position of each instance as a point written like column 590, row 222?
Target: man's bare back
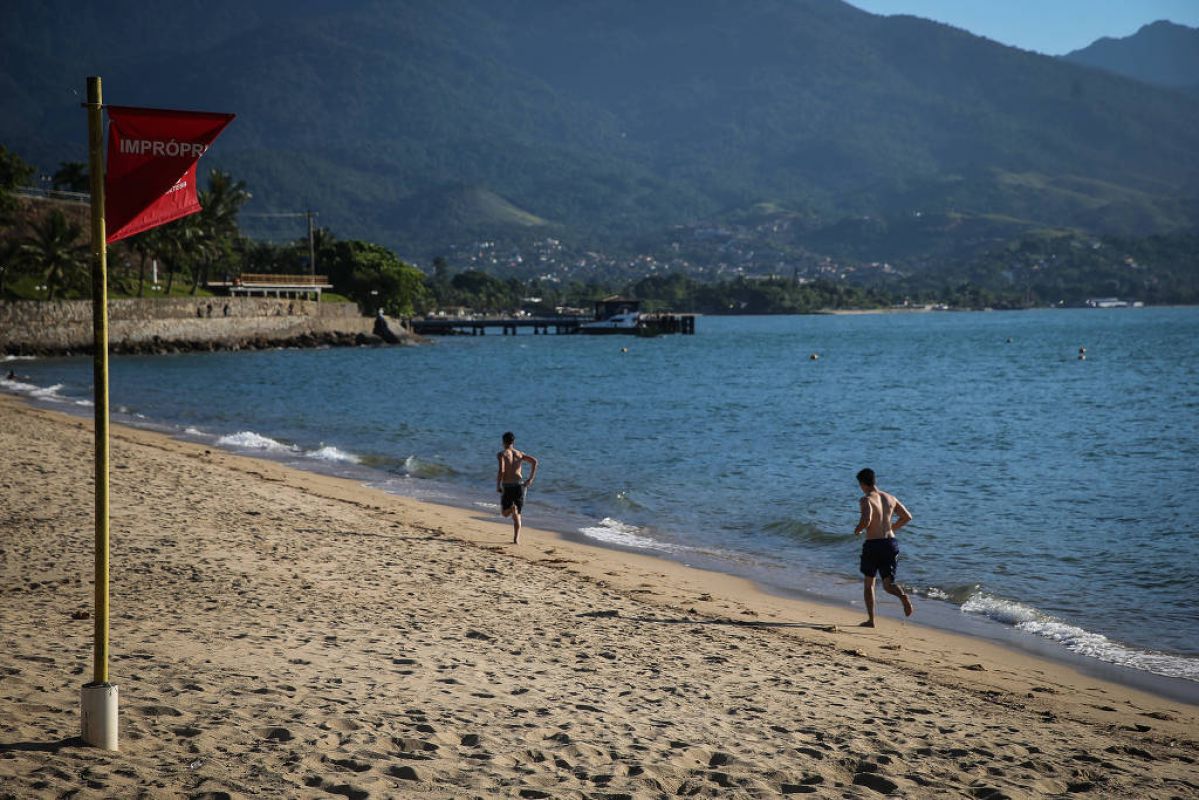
column 511, row 461
column 878, row 510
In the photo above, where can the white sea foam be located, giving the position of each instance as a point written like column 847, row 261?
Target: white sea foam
column 190, row 431
column 613, row 531
column 42, row 392
column 17, row 358
column 254, row 441
column 1000, row 610
column 1077, row 640
column 331, row 453
column 51, row 393
column 16, row 386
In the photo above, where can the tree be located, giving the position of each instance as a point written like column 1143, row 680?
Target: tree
column 181, row 242
column 72, row 176
column 14, row 172
column 217, row 223
column 146, row 245
column 441, row 270
column 482, row 291
column 375, row 277
column 9, row 260
column 54, row 249
column 322, row 241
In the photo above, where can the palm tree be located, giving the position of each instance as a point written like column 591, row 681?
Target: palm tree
column 9, row 260
column 53, row 248
column 145, row 244
column 71, row 176
column 221, row 203
column 179, row 242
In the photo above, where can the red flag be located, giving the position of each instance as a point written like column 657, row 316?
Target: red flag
column 150, row 179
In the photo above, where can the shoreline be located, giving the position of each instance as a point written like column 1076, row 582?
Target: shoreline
column 276, row 629
column 946, row 618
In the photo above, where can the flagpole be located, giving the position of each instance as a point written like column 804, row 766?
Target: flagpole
column 98, row 699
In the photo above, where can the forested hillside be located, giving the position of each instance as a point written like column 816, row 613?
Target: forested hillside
column 428, row 124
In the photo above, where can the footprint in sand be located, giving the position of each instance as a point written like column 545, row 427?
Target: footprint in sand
column 275, row 734
column 344, row 789
column 413, row 749
column 158, row 711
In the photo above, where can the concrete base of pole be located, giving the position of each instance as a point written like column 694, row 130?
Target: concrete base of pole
column 98, row 706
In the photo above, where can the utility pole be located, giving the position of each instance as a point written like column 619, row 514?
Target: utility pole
column 311, row 244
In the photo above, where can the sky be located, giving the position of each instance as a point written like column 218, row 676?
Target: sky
column 1053, row 27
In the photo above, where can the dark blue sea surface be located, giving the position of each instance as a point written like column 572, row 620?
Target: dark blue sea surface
column 1053, row 496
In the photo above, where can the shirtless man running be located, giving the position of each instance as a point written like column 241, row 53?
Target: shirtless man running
column 880, row 551
column 510, row 483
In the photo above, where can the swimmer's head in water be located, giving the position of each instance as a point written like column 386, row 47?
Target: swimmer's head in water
column 509, row 438
column 866, row 477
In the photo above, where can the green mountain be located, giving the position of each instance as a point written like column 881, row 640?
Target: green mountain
column 424, row 123
column 1161, row 53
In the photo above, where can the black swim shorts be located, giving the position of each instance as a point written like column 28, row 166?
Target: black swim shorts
column 514, row 495
column 880, row 556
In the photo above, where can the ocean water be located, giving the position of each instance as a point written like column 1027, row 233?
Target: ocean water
column 1052, row 496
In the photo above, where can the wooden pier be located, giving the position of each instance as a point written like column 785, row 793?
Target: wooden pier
column 647, row 325
column 478, row 326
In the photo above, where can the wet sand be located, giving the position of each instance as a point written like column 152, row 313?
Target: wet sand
column 277, row 633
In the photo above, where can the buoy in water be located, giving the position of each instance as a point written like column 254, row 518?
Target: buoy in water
column 814, row 357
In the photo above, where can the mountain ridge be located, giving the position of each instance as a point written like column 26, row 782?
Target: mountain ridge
column 615, row 122
column 1161, row 53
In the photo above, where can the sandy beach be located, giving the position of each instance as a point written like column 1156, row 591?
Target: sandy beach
column 277, row 633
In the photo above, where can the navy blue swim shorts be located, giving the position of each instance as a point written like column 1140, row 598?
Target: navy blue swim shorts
column 514, row 495
column 880, row 556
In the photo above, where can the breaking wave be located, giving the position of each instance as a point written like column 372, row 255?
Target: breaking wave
column 419, row 468
column 331, row 453
column 51, row 393
column 1078, row 640
column 613, row 531
column 248, row 440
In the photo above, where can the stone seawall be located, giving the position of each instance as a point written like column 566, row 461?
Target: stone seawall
column 164, row 325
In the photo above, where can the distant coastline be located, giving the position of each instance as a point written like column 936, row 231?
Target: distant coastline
column 842, row 312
